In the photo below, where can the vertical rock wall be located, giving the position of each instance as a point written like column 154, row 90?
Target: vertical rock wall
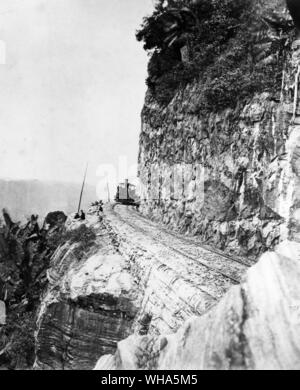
column 232, row 177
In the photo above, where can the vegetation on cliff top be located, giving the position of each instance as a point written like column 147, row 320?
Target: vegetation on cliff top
column 214, row 42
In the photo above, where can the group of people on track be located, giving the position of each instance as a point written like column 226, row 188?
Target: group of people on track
column 81, row 216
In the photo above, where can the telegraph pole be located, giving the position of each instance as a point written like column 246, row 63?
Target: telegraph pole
column 82, row 188
column 108, row 193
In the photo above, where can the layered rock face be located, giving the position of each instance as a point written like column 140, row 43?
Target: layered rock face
column 255, row 326
column 88, row 307
column 230, row 177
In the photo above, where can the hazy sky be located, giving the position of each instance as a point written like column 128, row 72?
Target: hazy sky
column 72, row 88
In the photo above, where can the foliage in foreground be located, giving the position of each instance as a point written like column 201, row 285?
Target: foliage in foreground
column 25, row 254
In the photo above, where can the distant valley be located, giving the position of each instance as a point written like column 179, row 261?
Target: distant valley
column 25, row 197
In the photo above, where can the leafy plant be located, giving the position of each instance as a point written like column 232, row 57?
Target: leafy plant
column 221, row 47
column 26, row 252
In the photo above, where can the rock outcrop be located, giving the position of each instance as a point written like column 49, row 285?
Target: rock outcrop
column 89, row 305
column 255, row 326
column 230, row 177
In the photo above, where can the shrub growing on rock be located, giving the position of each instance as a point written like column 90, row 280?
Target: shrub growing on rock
column 222, row 51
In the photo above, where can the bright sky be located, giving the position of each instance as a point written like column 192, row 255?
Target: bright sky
column 72, row 87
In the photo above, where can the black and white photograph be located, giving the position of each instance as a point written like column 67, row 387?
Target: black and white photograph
column 149, row 188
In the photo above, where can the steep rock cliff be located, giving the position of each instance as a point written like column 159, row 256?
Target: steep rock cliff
column 232, row 176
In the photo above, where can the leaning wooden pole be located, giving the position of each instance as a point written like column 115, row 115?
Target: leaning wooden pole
column 108, row 192
column 82, row 188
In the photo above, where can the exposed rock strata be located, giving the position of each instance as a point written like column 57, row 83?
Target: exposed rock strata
column 255, row 326
column 89, row 306
column 128, row 284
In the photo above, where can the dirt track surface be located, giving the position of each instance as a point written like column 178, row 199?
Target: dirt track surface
column 211, row 271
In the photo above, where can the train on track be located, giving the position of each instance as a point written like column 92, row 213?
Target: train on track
column 126, row 194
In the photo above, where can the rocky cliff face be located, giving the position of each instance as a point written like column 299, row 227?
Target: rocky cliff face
column 231, row 177
column 255, row 326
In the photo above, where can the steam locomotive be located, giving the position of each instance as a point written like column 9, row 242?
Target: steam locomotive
column 126, row 194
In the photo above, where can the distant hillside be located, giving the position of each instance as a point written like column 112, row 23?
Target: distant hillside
column 23, row 198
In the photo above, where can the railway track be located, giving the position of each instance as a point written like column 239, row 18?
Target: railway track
column 245, row 262
column 218, row 265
